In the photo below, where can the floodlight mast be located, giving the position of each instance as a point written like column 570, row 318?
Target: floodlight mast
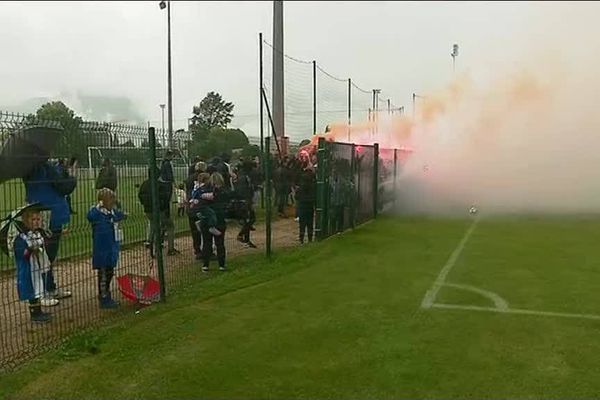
column 454, row 54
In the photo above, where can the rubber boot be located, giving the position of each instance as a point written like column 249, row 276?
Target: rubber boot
column 107, row 302
column 37, row 315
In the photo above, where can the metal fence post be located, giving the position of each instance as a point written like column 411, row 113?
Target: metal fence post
column 376, row 180
column 327, row 222
column 269, row 191
column 314, row 64
column 320, row 209
column 262, row 136
column 354, row 196
column 156, row 226
column 349, row 108
column 395, row 194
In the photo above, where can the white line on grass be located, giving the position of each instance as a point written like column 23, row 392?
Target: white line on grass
column 431, row 294
column 499, row 302
column 516, row 311
column 500, row 305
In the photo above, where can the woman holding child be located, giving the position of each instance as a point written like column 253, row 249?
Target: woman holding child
column 213, row 224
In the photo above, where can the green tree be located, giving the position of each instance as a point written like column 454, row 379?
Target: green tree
column 78, row 136
column 250, row 151
column 212, row 112
column 218, row 141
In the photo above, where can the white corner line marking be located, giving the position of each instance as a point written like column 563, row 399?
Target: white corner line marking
column 516, row 311
column 499, row 302
column 432, row 293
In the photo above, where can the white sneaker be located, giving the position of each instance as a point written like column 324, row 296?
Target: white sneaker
column 61, row 293
column 215, row 231
column 48, row 302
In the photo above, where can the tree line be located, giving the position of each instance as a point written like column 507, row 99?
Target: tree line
column 210, row 134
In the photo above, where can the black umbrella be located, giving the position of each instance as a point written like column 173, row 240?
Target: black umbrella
column 13, row 221
column 25, row 148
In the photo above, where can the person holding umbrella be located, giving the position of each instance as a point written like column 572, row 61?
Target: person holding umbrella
column 46, row 186
column 31, row 259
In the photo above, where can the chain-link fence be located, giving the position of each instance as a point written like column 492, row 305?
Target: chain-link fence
column 354, row 183
column 55, row 165
column 58, row 168
column 51, row 168
column 66, row 185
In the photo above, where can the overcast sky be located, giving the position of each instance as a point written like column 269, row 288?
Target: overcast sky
column 119, row 48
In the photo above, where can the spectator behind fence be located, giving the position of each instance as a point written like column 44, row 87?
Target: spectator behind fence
column 200, row 206
column 191, row 182
column 107, row 178
column 227, row 172
column 106, row 239
column 46, row 186
column 192, row 167
column 181, row 200
column 220, row 165
column 165, row 191
column 218, row 198
column 167, row 176
column 245, row 192
column 166, row 168
column 305, row 200
column 281, row 178
column 257, row 178
column 32, row 264
column 68, row 168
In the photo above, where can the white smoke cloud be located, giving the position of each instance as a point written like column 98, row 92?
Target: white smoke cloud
column 520, row 140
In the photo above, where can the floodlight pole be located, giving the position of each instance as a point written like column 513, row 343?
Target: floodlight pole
column 167, row 4
column 454, row 54
column 414, row 96
column 162, row 109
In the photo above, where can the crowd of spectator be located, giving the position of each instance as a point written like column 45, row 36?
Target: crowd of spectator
column 215, row 191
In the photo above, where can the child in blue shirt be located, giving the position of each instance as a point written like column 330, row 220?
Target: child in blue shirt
column 106, row 237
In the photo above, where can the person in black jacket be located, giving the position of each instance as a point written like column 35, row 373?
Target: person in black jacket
column 245, row 192
column 190, row 183
column 166, row 168
column 107, row 178
column 218, row 199
column 67, row 170
column 305, row 200
column 165, row 191
column 281, row 180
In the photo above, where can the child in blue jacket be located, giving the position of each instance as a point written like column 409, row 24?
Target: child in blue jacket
column 106, row 237
column 202, row 207
column 32, row 264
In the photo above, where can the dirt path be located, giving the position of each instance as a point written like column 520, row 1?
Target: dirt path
column 20, row 339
